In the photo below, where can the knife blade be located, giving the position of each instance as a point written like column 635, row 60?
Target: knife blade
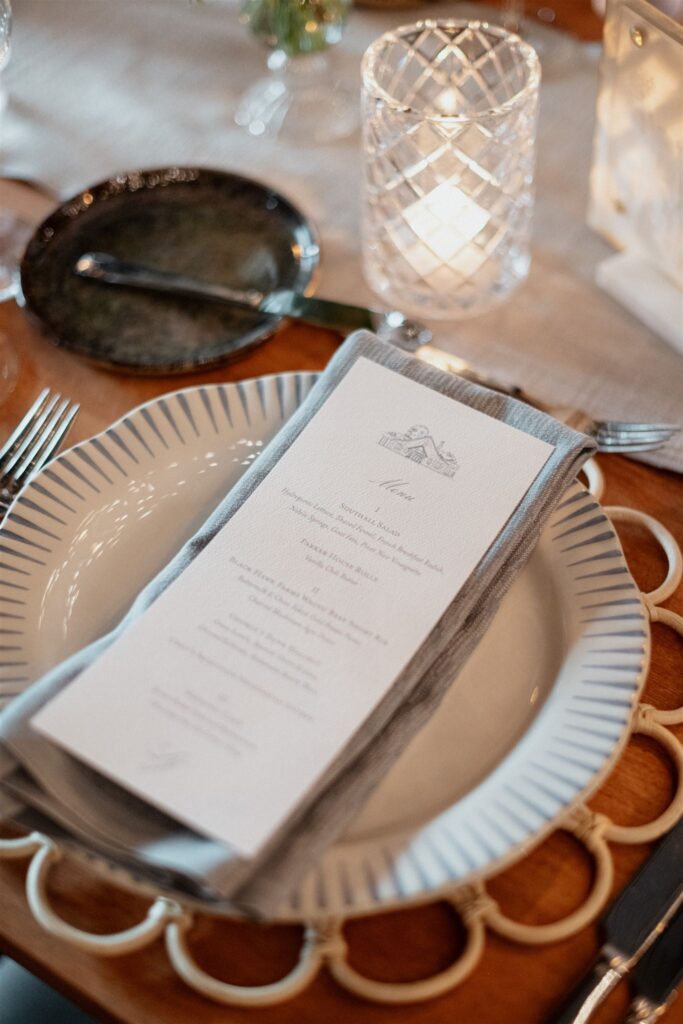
column 631, row 925
column 391, row 326
column 655, row 978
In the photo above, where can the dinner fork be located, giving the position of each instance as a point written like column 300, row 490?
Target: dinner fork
column 625, row 436
column 34, row 440
column 615, row 436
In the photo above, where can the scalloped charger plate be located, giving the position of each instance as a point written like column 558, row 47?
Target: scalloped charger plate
column 535, row 720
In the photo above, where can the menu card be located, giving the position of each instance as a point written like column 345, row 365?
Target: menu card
column 224, row 703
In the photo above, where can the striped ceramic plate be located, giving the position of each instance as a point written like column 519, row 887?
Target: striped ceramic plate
column 535, row 720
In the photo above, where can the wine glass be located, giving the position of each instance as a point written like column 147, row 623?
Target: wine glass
column 298, row 99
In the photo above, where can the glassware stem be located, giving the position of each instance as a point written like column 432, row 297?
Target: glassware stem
column 513, row 12
column 299, row 100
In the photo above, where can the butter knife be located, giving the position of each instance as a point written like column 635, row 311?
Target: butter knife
column 631, row 925
column 656, row 978
column 391, row 326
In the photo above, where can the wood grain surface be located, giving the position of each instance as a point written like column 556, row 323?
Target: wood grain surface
column 512, row 984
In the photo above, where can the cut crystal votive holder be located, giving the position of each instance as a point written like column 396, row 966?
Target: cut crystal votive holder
column 450, row 110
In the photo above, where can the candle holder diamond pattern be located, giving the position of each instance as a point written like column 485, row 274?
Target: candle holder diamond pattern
column 450, row 113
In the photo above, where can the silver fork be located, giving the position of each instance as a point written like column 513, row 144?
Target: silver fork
column 625, row 436
column 34, row 440
column 610, row 435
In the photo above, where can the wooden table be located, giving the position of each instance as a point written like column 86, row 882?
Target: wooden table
column 512, row 983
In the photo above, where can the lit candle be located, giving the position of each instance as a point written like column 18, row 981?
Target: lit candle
column 445, row 223
column 450, row 113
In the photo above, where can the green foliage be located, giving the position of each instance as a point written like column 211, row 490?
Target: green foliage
column 296, row 26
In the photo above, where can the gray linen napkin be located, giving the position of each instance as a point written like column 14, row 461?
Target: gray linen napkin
column 46, row 788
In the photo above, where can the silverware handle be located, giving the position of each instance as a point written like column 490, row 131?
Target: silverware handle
column 391, row 326
column 591, row 991
column 102, row 267
column 643, row 1011
column 326, row 312
column 453, row 364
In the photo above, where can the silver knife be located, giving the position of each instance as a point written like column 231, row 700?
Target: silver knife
column 655, row 979
column 631, row 925
column 391, row 326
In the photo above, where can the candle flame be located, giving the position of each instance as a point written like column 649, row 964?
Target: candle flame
column 447, row 102
column 446, row 221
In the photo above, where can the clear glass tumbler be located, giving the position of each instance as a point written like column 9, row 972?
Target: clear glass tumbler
column 449, row 122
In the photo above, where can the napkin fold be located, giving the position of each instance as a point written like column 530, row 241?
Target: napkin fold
column 43, row 787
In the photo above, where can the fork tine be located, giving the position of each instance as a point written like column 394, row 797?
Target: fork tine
column 33, row 432
column 630, row 449
column 617, row 426
column 615, row 447
column 22, row 428
column 637, row 437
column 50, row 438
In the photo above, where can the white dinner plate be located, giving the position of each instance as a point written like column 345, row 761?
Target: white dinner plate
column 535, row 719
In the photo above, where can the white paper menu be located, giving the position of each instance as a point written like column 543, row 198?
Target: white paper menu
column 225, row 701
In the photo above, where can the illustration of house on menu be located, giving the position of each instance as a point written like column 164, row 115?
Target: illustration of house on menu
column 418, row 445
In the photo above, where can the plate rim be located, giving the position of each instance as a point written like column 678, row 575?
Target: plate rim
column 153, row 178
column 303, row 906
